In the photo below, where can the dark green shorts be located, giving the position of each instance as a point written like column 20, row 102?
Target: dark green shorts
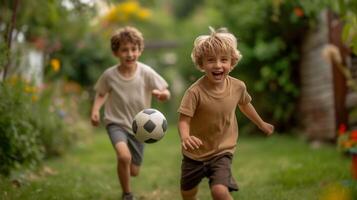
column 217, row 170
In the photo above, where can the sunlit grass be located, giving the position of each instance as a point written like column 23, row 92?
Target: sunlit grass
column 278, row 167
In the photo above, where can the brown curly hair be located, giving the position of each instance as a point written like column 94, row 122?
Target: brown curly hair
column 124, row 35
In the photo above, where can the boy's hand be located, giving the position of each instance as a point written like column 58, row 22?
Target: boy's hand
column 267, row 128
column 161, row 95
column 95, row 118
column 191, row 142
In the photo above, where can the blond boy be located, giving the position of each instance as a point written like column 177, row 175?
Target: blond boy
column 207, row 123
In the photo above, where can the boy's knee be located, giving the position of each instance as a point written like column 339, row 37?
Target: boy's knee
column 124, row 159
column 134, row 173
column 220, row 192
column 189, row 194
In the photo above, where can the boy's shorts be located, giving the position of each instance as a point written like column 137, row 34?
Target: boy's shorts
column 118, row 134
column 217, row 170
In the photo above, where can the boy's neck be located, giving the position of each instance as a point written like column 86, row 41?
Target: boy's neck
column 217, row 88
column 127, row 71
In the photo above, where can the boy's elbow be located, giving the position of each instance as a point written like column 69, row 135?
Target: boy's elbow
column 100, row 94
column 168, row 94
column 245, row 106
column 241, row 107
column 165, row 95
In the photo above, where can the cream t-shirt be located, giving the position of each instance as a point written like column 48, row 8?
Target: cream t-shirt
column 127, row 97
column 213, row 118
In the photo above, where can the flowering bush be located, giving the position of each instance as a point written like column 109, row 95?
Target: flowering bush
column 347, row 140
column 30, row 127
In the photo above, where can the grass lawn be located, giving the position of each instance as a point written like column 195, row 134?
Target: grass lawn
column 274, row 168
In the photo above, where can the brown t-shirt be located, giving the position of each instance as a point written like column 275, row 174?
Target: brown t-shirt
column 213, row 118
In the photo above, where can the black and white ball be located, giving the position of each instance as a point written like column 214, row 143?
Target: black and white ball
column 149, row 125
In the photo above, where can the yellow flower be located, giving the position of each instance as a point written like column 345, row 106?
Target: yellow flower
column 34, row 98
column 123, row 17
column 347, row 144
column 111, row 16
column 55, row 64
column 12, row 80
column 129, row 7
column 30, row 89
column 144, row 14
column 126, row 11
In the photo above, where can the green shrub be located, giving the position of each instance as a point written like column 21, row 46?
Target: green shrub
column 31, row 126
column 48, row 120
column 19, row 144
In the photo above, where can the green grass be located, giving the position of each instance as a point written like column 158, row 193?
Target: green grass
column 274, row 168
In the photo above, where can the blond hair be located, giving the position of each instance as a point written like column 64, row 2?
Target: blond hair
column 220, row 41
column 127, row 34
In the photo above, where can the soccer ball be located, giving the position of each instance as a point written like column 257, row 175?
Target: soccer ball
column 149, row 125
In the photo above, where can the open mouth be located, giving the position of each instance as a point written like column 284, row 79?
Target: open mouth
column 217, row 75
column 130, row 60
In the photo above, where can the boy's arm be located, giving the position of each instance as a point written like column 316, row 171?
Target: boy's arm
column 98, row 103
column 249, row 111
column 161, row 95
column 187, row 141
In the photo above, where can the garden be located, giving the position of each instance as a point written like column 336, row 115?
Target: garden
column 50, row 60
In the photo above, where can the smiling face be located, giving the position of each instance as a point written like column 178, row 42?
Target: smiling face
column 217, row 67
column 220, row 47
column 128, row 54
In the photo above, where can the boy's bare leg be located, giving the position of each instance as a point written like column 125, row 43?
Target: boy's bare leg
column 220, row 192
column 189, row 194
column 123, row 165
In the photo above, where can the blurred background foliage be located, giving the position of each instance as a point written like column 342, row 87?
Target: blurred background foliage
column 73, row 37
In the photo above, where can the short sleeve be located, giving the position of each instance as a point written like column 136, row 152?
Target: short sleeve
column 102, row 85
column 188, row 104
column 156, row 81
column 245, row 98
